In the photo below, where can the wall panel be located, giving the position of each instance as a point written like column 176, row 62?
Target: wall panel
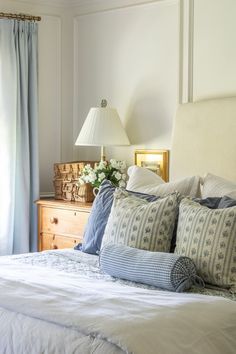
column 214, row 49
column 49, row 99
column 129, row 56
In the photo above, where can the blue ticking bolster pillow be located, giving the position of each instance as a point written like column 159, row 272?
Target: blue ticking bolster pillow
column 163, row 270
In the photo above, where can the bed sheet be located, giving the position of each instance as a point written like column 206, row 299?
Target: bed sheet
column 60, row 302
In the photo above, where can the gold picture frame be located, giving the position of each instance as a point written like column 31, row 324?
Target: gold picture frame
column 154, row 160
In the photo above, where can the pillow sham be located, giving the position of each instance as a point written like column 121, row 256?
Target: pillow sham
column 217, row 202
column 137, row 223
column 208, row 237
column 226, row 202
column 212, row 203
column 163, row 270
column 145, row 181
column 98, row 217
column 215, row 186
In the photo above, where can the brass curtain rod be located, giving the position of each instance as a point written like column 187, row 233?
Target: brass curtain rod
column 22, row 17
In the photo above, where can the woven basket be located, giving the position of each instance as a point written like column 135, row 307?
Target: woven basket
column 66, row 180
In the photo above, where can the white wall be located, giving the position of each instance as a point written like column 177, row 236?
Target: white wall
column 49, row 98
column 130, row 57
column 214, row 49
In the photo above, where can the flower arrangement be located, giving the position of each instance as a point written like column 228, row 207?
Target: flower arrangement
column 113, row 170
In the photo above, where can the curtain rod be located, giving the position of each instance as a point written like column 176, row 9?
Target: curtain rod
column 22, row 17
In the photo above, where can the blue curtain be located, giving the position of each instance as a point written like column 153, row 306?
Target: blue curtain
column 19, row 175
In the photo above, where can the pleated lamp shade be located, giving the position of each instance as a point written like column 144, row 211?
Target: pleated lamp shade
column 102, row 127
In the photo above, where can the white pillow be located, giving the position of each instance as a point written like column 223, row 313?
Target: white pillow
column 215, row 186
column 145, row 181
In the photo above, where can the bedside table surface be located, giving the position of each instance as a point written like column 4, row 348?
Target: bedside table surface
column 58, row 203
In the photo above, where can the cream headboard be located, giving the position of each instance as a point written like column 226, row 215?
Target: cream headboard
column 204, row 139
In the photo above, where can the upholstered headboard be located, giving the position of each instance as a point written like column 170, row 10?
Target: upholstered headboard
column 204, row 139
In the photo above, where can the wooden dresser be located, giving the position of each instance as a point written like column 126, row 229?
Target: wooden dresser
column 61, row 223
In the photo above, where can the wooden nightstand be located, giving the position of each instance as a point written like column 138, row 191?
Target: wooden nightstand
column 61, row 223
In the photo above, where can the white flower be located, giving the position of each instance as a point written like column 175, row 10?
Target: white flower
column 122, row 183
column 87, row 179
column 122, row 165
column 101, row 176
column 87, row 167
column 101, row 165
column 96, row 175
column 114, row 164
column 92, row 177
column 117, row 175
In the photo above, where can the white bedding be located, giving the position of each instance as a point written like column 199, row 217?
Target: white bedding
column 59, row 302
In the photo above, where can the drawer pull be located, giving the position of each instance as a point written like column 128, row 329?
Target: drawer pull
column 53, row 220
column 54, row 247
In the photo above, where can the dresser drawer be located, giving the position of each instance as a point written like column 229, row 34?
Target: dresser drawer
column 62, row 221
column 52, row 242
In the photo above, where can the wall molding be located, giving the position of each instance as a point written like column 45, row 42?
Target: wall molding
column 75, row 80
column 84, row 7
column 89, row 5
column 47, row 195
column 59, row 79
column 190, row 50
column 57, row 133
column 183, row 71
column 186, row 45
column 49, row 3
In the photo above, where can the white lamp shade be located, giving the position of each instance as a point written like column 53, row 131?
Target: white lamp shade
column 102, row 127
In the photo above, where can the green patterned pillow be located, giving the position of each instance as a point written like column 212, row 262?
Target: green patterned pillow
column 208, row 236
column 138, row 223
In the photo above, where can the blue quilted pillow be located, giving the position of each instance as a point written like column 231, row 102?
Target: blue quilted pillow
column 100, row 212
column 163, row 270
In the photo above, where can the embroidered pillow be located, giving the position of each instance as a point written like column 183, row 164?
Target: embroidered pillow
column 208, row 237
column 137, row 223
column 145, row 181
column 98, row 217
column 215, row 186
column 163, row 270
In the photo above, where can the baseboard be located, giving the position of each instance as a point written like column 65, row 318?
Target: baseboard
column 47, row 195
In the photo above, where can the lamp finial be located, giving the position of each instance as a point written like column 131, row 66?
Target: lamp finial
column 103, row 103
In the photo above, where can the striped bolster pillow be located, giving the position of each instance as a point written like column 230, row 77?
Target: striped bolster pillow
column 163, row 270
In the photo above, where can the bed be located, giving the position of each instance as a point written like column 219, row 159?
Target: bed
column 61, row 302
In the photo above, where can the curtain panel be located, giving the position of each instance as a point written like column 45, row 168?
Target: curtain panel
column 19, row 175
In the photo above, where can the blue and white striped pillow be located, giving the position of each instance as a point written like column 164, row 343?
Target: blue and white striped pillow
column 163, row 270
column 140, row 224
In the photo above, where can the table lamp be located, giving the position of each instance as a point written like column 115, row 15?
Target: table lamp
column 102, row 127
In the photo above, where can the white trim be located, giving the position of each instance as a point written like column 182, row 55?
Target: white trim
column 186, row 51
column 59, row 80
column 190, row 50
column 88, row 5
column 93, row 6
column 49, row 3
column 47, row 195
column 75, row 83
column 59, row 87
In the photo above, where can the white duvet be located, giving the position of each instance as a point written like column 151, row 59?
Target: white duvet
column 51, row 310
